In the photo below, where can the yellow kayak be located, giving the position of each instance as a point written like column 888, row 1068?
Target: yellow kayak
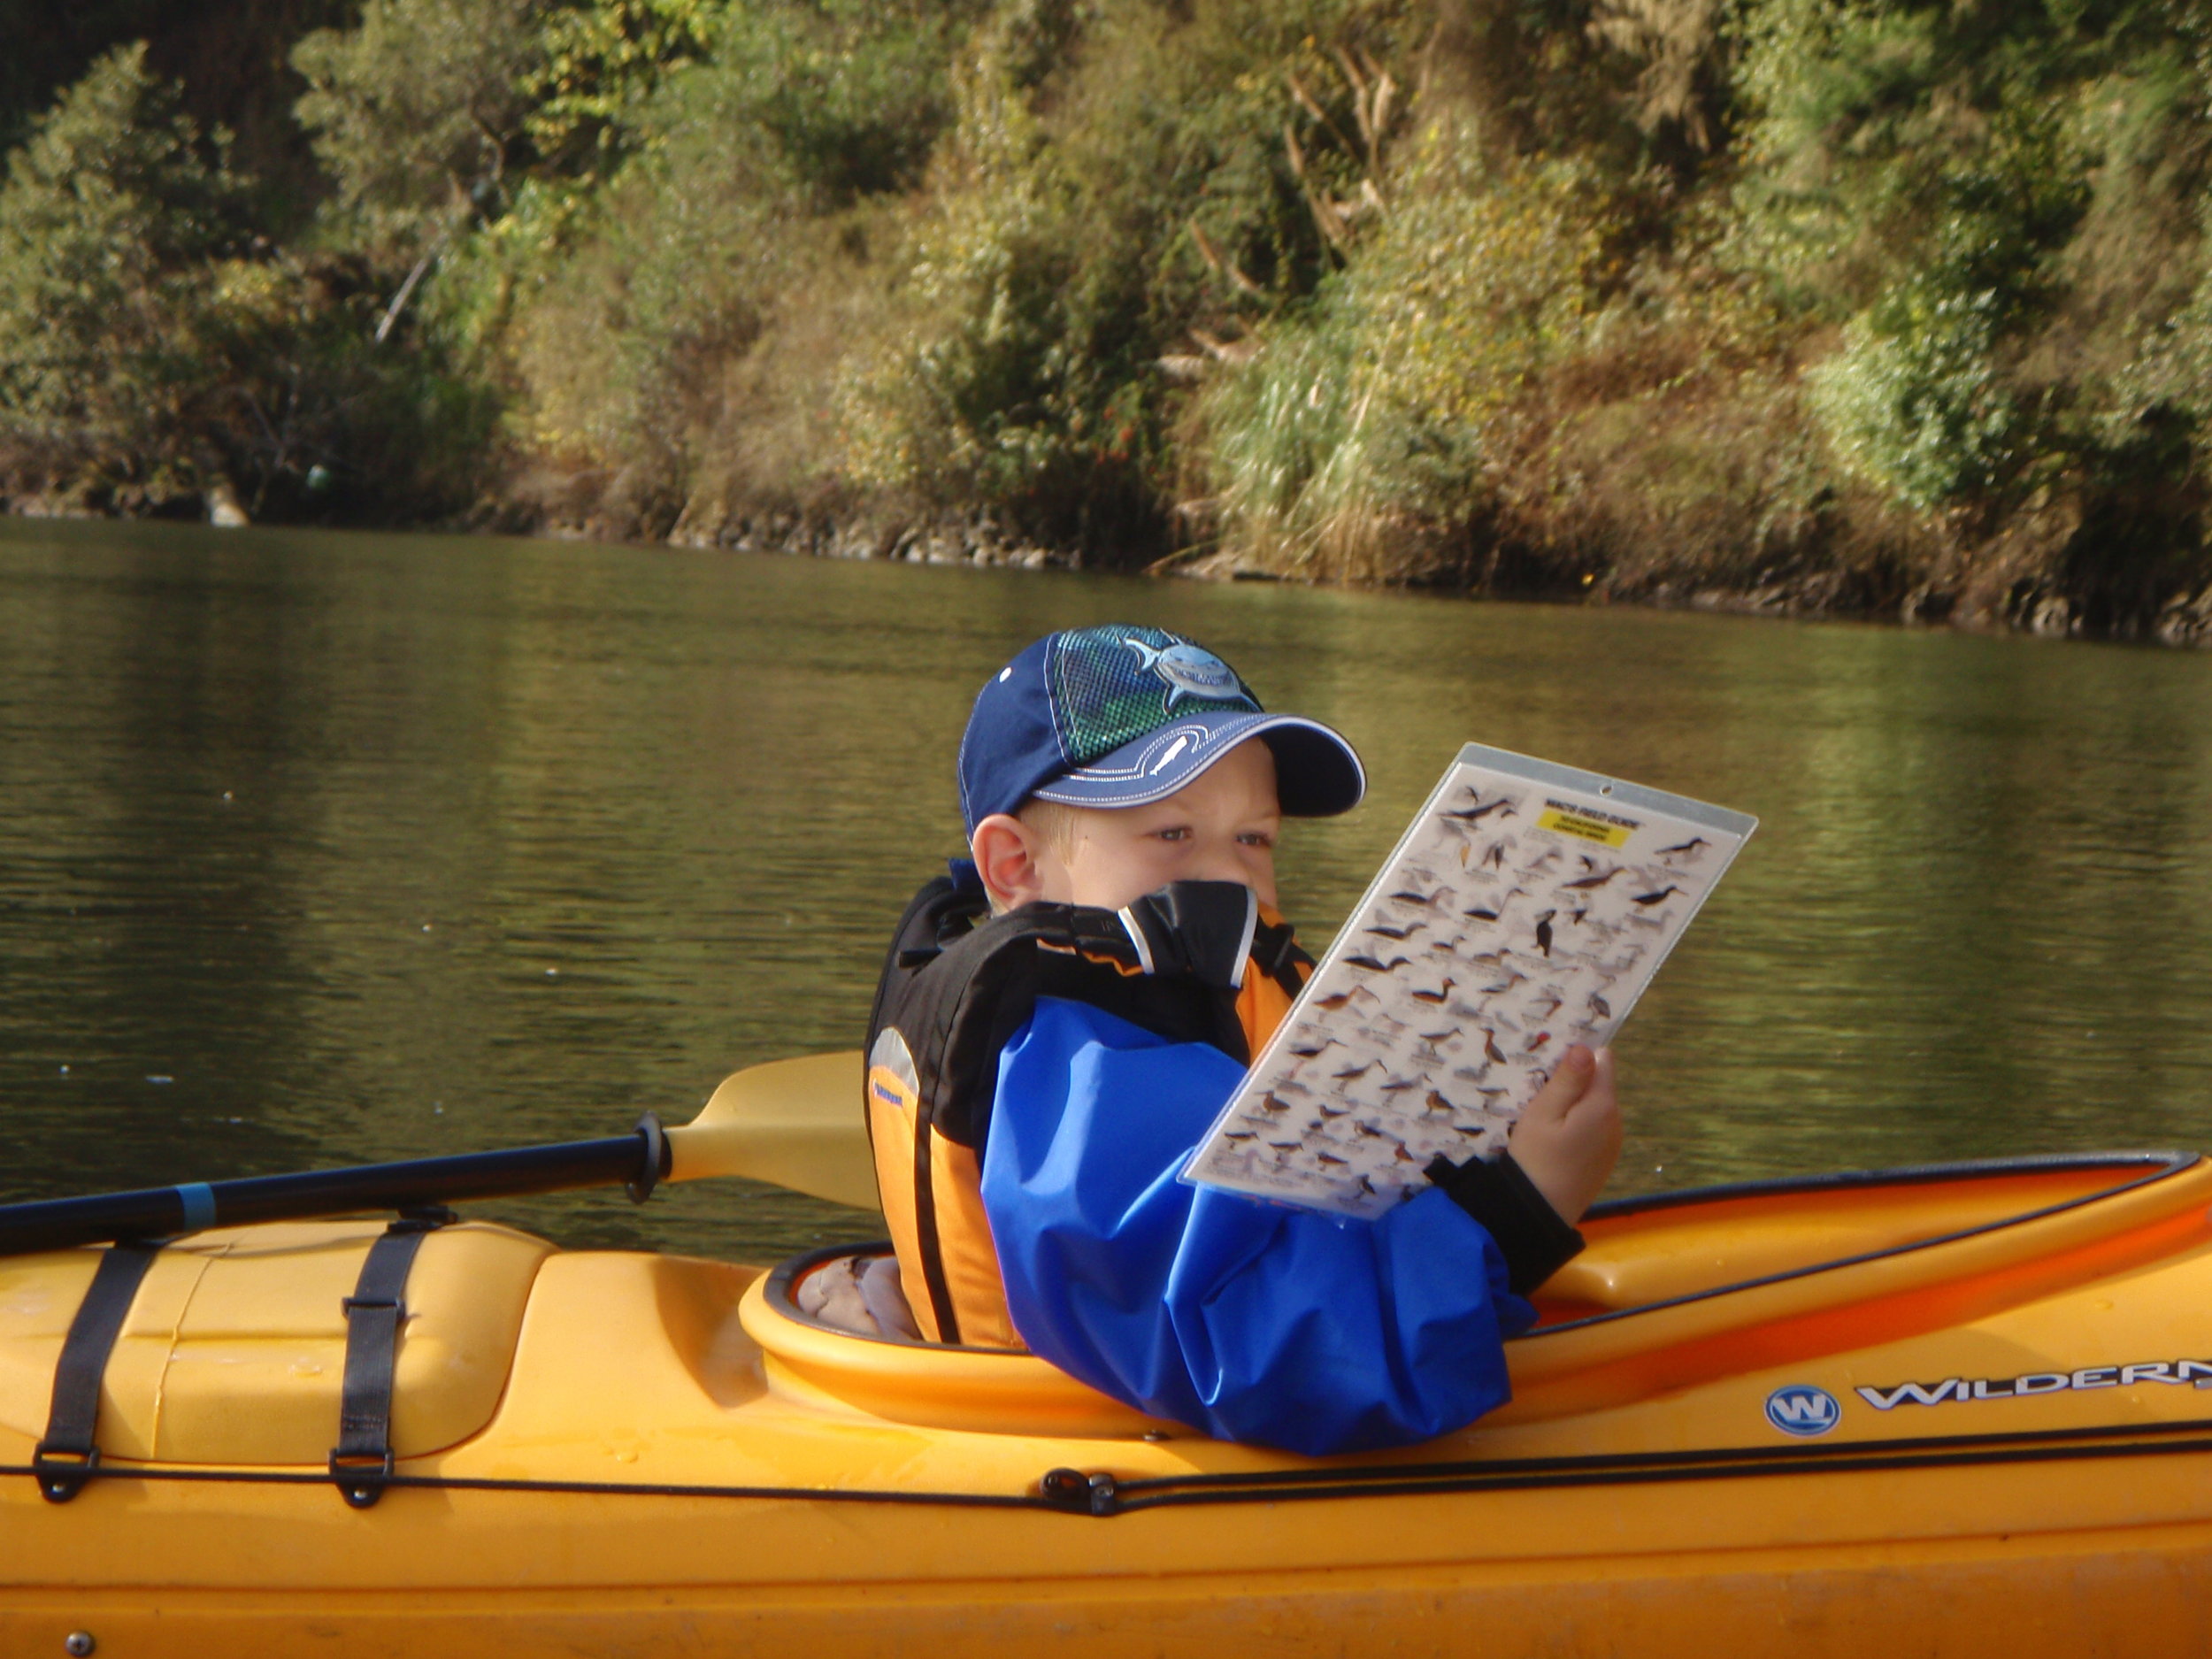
column 1960, row 1410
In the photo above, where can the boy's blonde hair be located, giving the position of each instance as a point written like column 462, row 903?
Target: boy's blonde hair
column 1057, row 822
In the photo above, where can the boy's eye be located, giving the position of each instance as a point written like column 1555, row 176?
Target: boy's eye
column 1179, row 833
column 1256, row 838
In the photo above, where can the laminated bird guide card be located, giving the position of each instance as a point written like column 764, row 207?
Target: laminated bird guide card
column 1525, row 908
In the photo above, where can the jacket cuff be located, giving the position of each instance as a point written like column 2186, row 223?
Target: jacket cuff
column 1529, row 1233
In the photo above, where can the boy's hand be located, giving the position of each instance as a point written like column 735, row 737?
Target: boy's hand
column 1570, row 1133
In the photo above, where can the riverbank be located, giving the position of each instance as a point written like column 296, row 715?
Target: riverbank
column 2041, row 574
column 2015, row 590
column 2037, row 580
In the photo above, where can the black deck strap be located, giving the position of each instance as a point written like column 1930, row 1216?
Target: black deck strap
column 361, row 1463
column 68, row 1455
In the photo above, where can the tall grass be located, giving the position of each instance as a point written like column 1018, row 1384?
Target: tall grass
column 1368, row 431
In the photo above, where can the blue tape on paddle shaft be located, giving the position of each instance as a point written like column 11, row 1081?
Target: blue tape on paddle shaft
column 199, row 1199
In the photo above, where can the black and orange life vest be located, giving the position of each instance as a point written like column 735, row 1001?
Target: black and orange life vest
column 1197, row 962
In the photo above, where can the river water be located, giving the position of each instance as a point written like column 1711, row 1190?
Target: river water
column 321, row 849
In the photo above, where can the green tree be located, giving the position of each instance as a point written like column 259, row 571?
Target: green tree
column 676, row 296
column 598, row 65
column 418, row 114
column 1992, row 201
column 1377, row 419
column 153, row 348
column 115, row 222
column 1179, row 175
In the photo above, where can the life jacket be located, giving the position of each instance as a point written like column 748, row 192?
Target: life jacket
column 1197, row 962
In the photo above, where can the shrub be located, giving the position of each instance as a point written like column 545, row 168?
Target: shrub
column 153, row 350
column 646, row 317
column 596, row 67
column 1914, row 400
column 1362, row 431
column 1924, row 177
column 117, row 221
column 1089, row 233
column 416, row 113
column 1792, row 298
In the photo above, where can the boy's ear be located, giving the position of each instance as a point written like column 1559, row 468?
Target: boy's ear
column 1008, row 855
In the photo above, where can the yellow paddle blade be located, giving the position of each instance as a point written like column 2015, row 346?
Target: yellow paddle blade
column 792, row 1123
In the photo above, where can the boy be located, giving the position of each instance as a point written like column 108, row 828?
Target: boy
column 1061, row 1020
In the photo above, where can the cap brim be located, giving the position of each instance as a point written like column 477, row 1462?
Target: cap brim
column 1318, row 774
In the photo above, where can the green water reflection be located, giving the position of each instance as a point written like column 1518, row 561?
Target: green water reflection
column 375, row 847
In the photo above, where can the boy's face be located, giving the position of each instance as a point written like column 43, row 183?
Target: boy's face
column 1221, row 826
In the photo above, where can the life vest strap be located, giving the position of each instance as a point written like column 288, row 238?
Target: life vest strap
column 1195, row 961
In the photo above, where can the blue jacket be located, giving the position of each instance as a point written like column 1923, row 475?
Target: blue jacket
column 1251, row 1321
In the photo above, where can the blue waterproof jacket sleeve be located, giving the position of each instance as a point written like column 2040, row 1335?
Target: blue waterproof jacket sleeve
column 1249, row 1320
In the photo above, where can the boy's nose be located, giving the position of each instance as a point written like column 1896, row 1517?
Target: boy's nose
column 1230, row 861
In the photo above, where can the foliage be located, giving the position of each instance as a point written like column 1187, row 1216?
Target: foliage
column 654, row 305
column 1914, row 400
column 115, row 223
column 1951, row 185
column 416, row 112
column 1180, row 180
column 229, row 56
column 597, row 64
column 1388, row 407
column 1828, row 302
column 849, row 95
column 151, row 349
column 961, row 402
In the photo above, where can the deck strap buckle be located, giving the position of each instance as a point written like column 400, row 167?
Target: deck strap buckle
column 361, row 1463
column 1077, row 1492
column 68, row 1455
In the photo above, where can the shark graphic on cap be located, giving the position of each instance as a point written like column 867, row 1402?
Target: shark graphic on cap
column 1190, row 671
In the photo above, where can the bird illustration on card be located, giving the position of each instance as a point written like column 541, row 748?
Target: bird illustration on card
column 1525, row 908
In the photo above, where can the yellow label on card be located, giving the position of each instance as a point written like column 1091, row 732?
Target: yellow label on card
column 1573, row 821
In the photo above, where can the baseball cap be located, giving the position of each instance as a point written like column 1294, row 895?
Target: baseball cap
column 1120, row 715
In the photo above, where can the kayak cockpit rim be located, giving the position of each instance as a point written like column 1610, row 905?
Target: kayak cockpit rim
column 2157, row 1163
column 780, row 1287
column 2154, row 1167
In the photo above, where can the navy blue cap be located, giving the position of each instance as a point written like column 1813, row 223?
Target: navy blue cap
column 1122, row 716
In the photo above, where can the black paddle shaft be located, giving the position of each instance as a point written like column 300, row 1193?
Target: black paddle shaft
column 637, row 1160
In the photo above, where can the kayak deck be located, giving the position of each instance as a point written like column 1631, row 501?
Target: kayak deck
column 675, row 1451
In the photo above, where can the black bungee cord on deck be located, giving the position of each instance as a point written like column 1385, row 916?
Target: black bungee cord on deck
column 1101, row 1496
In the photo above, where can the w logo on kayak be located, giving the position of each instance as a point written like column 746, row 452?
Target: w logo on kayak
column 1803, row 1410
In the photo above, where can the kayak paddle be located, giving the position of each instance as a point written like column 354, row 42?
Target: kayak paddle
column 792, row 1123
